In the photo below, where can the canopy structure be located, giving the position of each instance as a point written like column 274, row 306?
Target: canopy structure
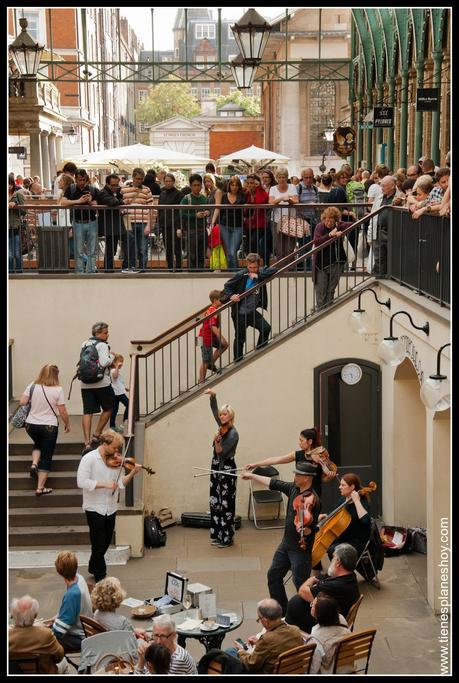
column 254, row 158
column 144, row 156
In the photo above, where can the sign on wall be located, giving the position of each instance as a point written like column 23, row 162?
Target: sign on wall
column 427, row 99
column 383, row 117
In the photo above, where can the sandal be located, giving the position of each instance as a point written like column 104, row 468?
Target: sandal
column 43, row 492
column 33, row 470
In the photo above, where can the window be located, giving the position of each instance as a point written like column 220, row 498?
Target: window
column 143, row 127
column 204, row 31
column 233, row 89
column 258, row 90
column 205, row 92
column 142, row 95
column 176, row 53
column 321, row 111
column 35, row 26
column 230, row 33
column 194, row 92
column 217, row 92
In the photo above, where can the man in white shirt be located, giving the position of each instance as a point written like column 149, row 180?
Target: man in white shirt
column 99, row 481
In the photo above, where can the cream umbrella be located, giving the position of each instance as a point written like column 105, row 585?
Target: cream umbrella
column 254, row 158
column 129, row 157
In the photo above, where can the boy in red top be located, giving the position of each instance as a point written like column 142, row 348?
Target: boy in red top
column 211, row 337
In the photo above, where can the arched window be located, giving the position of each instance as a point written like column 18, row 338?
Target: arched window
column 322, row 96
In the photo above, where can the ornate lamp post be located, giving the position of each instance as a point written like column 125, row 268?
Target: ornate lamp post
column 25, row 52
column 251, row 34
column 327, row 136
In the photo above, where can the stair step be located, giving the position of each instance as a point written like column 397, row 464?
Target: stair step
column 64, row 498
column 23, row 517
column 61, row 463
column 19, row 536
column 28, row 557
column 56, row 480
column 62, row 448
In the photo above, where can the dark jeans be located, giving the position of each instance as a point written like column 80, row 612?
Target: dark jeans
column 299, row 614
column 137, row 245
column 69, row 641
column 196, row 247
column 44, row 439
column 284, row 559
column 380, row 253
column 101, row 529
column 173, row 247
column 244, row 320
column 111, row 245
column 122, row 398
column 14, row 251
column 261, row 243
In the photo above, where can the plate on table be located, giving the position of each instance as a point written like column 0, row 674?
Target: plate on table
column 143, row 611
column 209, row 626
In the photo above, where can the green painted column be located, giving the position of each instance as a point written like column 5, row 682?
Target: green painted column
column 391, row 131
column 379, row 131
column 360, row 116
column 435, row 142
column 403, row 151
column 369, row 133
column 419, row 119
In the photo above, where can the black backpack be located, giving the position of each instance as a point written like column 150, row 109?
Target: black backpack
column 89, row 369
column 153, row 533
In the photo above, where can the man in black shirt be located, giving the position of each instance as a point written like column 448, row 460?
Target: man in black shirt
column 340, row 583
column 110, row 221
column 84, row 220
column 294, row 551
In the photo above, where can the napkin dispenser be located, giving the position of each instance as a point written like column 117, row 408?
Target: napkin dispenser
column 195, row 590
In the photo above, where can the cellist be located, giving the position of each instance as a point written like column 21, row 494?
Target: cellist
column 294, row 551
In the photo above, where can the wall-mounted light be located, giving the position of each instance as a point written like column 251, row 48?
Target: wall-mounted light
column 391, row 350
column 251, row 34
column 25, row 52
column 71, row 133
column 436, row 391
column 358, row 320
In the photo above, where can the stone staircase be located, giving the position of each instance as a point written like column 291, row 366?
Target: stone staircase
column 56, row 519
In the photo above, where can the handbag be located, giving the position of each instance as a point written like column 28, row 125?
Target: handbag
column 19, row 418
column 116, row 665
column 348, row 248
column 294, row 226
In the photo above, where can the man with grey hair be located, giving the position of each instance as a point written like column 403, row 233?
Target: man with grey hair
column 379, row 227
column 340, row 582
column 165, row 633
column 96, row 391
column 26, row 637
column 277, row 637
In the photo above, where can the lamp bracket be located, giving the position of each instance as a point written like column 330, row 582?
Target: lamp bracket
column 425, row 328
column 382, row 303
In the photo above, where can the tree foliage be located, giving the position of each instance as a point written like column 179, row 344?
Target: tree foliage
column 250, row 104
column 167, row 100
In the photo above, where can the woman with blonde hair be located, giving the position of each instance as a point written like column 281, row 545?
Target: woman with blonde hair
column 42, row 424
column 107, row 595
column 223, row 476
column 283, row 194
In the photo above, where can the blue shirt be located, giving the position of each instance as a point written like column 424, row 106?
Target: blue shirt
column 76, row 601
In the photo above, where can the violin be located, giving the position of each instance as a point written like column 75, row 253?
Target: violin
column 303, row 505
column 333, row 526
column 224, row 429
column 128, row 464
column 324, row 460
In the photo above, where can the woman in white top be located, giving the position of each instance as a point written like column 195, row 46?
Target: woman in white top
column 42, row 424
column 283, row 194
column 330, row 628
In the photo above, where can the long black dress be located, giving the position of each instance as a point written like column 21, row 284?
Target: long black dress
column 223, row 487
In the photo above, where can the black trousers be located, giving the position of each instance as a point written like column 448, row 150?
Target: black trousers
column 173, row 247
column 244, row 320
column 101, row 528
column 299, row 614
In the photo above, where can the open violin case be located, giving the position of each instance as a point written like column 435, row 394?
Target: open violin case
column 201, row 520
column 396, row 540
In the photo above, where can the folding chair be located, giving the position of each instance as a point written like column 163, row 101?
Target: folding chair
column 24, row 663
column 351, row 649
column 265, row 496
column 115, row 642
column 351, row 615
column 362, row 567
column 295, row 661
column 91, row 627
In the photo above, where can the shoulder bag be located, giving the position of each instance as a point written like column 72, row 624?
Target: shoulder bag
column 50, row 405
column 116, row 665
column 294, row 226
column 19, row 418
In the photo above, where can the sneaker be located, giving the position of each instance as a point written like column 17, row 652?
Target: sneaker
column 215, row 542
column 118, row 428
column 87, row 449
column 225, row 545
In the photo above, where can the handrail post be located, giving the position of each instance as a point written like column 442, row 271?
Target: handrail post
column 133, row 415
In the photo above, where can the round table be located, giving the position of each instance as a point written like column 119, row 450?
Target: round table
column 210, row 639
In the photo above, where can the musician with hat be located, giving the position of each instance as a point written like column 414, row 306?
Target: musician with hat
column 294, row 551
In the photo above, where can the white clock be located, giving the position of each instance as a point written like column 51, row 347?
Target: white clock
column 351, row 373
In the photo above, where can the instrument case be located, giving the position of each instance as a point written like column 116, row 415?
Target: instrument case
column 201, row 520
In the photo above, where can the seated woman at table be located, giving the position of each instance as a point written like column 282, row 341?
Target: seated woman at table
column 158, row 659
column 106, row 597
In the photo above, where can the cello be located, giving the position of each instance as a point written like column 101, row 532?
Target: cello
column 333, row 526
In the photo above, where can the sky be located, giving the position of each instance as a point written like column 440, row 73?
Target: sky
column 140, row 20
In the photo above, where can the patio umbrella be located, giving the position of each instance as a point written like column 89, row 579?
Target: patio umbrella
column 254, row 157
column 131, row 156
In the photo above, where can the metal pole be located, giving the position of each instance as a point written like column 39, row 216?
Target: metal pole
column 219, row 37
column 391, row 131
column 402, row 157
column 153, row 42
column 435, row 140
column 50, row 28
column 286, row 43
column 118, row 24
column 186, row 43
column 419, row 118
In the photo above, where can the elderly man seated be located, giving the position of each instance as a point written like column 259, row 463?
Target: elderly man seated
column 165, row 633
column 25, row 637
column 341, row 583
column 277, row 638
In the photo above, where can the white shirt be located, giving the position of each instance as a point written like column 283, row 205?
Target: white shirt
column 118, row 385
column 40, row 411
column 374, row 191
column 274, row 192
column 93, row 470
column 105, row 359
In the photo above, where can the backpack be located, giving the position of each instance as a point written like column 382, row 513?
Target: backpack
column 153, row 533
column 89, row 369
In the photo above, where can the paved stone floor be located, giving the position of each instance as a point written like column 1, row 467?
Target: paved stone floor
column 406, row 640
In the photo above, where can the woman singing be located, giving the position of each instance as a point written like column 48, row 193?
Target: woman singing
column 310, row 451
column 223, row 486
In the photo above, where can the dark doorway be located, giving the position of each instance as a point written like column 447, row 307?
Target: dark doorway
column 349, row 417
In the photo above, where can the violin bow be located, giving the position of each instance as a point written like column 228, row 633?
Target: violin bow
column 123, row 458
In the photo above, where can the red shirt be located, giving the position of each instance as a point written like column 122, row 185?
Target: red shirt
column 206, row 329
column 256, row 218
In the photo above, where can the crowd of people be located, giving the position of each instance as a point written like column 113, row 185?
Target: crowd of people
column 206, row 237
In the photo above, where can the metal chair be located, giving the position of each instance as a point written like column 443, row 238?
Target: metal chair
column 24, row 663
column 351, row 615
column 91, row 627
column 351, row 649
column 361, row 567
column 295, row 661
column 265, row 496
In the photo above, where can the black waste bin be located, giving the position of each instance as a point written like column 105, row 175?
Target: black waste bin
column 53, row 249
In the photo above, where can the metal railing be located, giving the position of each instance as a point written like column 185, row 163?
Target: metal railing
column 53, row 239
column 419, row 254
column 10, row 369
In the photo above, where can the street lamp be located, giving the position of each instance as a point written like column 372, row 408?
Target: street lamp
column 436, row 391
column 71, row 134
column 391, row 350
column 25, row 52
column 358, row 320
column 327, row 136
column 251, row 34
column 243, row 72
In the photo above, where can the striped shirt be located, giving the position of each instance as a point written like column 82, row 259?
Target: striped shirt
column 137, row 195
column 435, row 195
column 76, row 601
column 182, row 664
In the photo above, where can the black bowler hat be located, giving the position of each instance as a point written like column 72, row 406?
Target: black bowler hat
column 307, row 469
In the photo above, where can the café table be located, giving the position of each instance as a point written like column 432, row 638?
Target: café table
column 210, row 639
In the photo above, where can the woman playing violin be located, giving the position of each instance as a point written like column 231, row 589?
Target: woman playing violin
column 310, row 451
column 359, row 529
column 223, row 487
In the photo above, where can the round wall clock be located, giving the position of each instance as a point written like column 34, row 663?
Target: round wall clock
column 351, row 373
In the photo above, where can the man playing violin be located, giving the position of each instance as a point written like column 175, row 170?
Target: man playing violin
column 294, row 551
column 99, row 476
